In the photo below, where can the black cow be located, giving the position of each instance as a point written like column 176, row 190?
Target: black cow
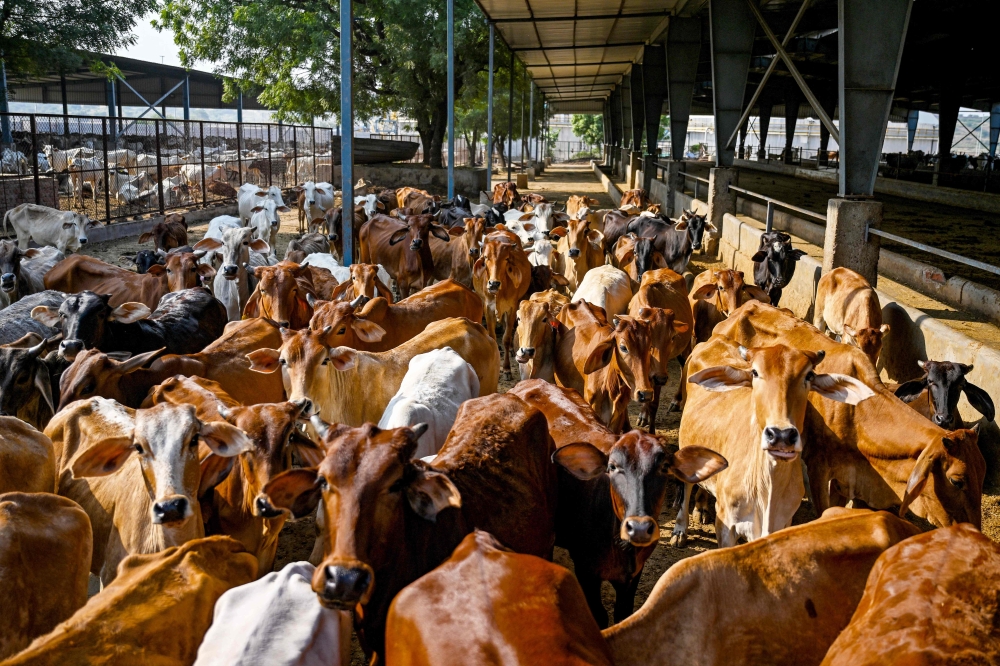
column 774, row 263
column 615, row 226
column 143, row 260
column 183, row 323
column 494, row 214
column 675, row 241
column 29, row 379
column 939, row 390
column 10, row 269
column 453, row 215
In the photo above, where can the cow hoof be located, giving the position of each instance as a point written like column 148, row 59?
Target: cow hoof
column 698, row 517
column 674, row 407
column 678, row 540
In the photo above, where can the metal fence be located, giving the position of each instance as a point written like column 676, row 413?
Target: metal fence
column 114, row 169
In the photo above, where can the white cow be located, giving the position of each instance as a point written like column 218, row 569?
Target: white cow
column 60, row 159
column 14, row 161
column 250, row 195
column 276, row 621
column 65, row 230
column 607, row 287
column 542, row 252
column 236, row 247
column 370, row 202
column 122, row 157
column 85, row 170
column 316, row 199
column 265, row 222
column 176, row 191
column 192, row 174
column 434, row 387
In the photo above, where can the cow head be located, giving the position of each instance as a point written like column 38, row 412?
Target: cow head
column 495, row 214
column 629, row 346
column 10, row 266
column 280, row 296
column 83, row 320
column 26, row 375
column 165, row 438
column 265, row 218
column 696, row 226
column 777, row 260
column 94, row 373
column 663, row 328
column 537, row 335
column 183, row 270
column 313, row 192
column 637, row 468
column 780, row 379
column 74, row 231
column 641, row 250
column 364, row 282
column 727, row 291
column 498, row 265
column 236, row 244
column 370, row 487
column 417, row 230
column 957, row 468
column 868, row 340
column 145, row 259
column 945, row 382
column 579, row 236
column 474, row 228
column 350, row 325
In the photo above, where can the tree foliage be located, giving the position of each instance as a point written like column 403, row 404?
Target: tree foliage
column 589, row 127
column 44, row 35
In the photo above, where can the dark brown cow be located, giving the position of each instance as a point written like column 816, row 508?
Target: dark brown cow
column 168, row 234
column 637, row 198
column 282, row 294
column 421, row 201
column 411, row 265
column 615, row 226
column 392, row 519
column 455, row 259
column 220, row 189
column 505, row 193
column 502, row 276
column 471, row 609
column 611, row 498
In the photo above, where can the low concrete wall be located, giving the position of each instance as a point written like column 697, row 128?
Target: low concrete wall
column 607, row 183
column 118, row 230
column 467, row 181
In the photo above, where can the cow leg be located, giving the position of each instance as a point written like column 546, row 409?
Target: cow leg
column 508, row 338
column 678, row 537
column 647, row 415
column 703, row 503
column 591, row 586
column 625, row 597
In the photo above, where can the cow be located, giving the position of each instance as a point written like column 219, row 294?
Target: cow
column 505, row 193
column 635, row 255
column 455, row 258
column 452, row 213
column 168, row 234
column 334, row 223
column 580, row 250
column 314, row 199
column 281, row 294
column 27, row 464
column 276, row 621
column 421, row 201
column 930, row 599
column 64, row 230
column 156, row 612
column 143, row 260
column 177, row 192
column 250, row 196
column 329, row 379
column 847, row 306
column 411, row 265
column 16, row 321
column 936, row 394
column 29, row 373
column 611, row 490
column 369, row 554
column 184, row 323
column 86, row 173
column 675, row 241
column 501, row 276
column 380, row 326
column 616, row 224
column 368, row 280
column 151, row 504
column 538, row 332
column 576, row 202
column 221, row 189
column 880, row 452
column 481, row 614
column 774, row 264
column 606, row 287
column 717, row 294
column 607, row 364
column 234, row 290
column 34, row 268
column 12, row 286
column 637, row 198
column 45, row 552
column 94, row 373
column 809, row 576
column 195, row 174
column 764, row 487
column 300, row 248
column 265, row 221
column 435, row 385
column 662, row 299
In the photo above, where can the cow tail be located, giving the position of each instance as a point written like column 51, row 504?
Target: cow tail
column 5, row 216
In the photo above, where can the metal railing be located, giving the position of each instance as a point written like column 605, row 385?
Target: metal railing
column 697, row 180
column 951, row 256
column 772, row 203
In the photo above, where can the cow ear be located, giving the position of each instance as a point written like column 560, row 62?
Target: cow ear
column 214, row 470
column 711, row 227
column 797, row 254
column 206, row 272
column 704, row 292
column 43, row 382
column 225, row 439
column 295, row 491
column 980, row 400
column 600, row 355
column 367, row 331
column 558, row 232
column 659, row 261
column 342, row 358
column 146, row 237
column 757, row 293
column 918, row 478
column 132, row 364
column 560, row 279
column 31, row 253
column 207, row 244
column 430, row 492
column 680, row 327
column 264, row 360
column 156, row 270
column 440, row 232
column 103, row 458
column 694, row 464
column 526, row 217
column 398, row 236
column 758, row 257
column 721, row 378
column 261, row 246
column 46, row 315
column 909, row 391
column 681, row 226
column 841, row 388
column 129, row 313
column 581, row 459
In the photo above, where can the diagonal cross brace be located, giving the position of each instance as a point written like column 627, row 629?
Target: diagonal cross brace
column 149, row 107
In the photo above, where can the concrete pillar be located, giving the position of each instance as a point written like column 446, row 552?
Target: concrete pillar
column 649, row 171
column 674, row 183
column 823, row 156
column 741, row 152
column 638, row 106
column 792, row 101
column 847, row 222
column 947, row 121
column 625, row 99
column 634, row 164
column 765, row 125
column 912, row 118
column 721, row 200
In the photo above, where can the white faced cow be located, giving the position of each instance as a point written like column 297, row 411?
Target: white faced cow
column 63, row 230
column 249, row 196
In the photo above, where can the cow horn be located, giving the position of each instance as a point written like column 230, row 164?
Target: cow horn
column 359, row 301
column 321, row 426
column 311, row 300
column 37, row 350
column 820, row 355
column 744, row 353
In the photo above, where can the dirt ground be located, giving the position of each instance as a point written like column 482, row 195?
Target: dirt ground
column 297, row 539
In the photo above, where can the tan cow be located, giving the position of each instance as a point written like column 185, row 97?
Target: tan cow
column 577, row 201
column 156, row 612
column 421, row 201
column 152, row 503
column 715, row 295
column 847, row 306
column 580, row 249
column 880, row 452
column 455, row 258
column 45, row 551
column 502, row 275
column 331, row 380
column 750, row 406
column 505, row 193
column 27, row 463
column 778, row 600
column 637, row 198
column 364, row 281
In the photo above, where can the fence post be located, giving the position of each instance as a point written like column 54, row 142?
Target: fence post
column 201, row 131
column 315, row 178
column 159, row 165
column 107, row 176
column 239, row 152
column 295, row 154
column 770, row 217
column 34, row 160
column 270, row 150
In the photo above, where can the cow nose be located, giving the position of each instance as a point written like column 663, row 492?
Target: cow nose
column 574, row 252
column 229, row 270
column 781, row 436
column 311, row 202
column 644, row 396
column 333, row 237
column 640, row 531
column 493, row 286
column 170, row 510
column 417, row 244
column 474, row 251
column 344, row 586
column 70, row 348
column 524, row 354
column 264, row 509
column 943, row 420
column 83, row 241
column 305, row 405
column 7, row 281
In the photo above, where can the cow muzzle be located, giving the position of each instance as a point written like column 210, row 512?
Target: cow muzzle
column 417, row 244
column 171, row 510
column 574, row 252
column 781, row 443
column 524, row 354
column 343, row 587
column 229, row 271
column 943, row 420
column 644, row 396
column 83, row 241
column 262, row 508
column 8, row 282
column 493, row 286
column 68, row 349
column 640, row 530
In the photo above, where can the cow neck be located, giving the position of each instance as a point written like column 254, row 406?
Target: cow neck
column 768, row 480
column 355, row 396
column 611, row 394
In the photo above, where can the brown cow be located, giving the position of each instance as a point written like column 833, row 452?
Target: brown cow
column 281, row 294
column 931, row 599
column 168, row 234
column 577, row 201
column 27, row 463
column 220, row 189
column 156, row 612
column 665, row 290
column 580, row 249
column 79, row 272
column 778, row 600
column 637, row 198
column 505, row 193
column 538, row 333
column 501, row 277
column 455, row 259
column 611, row 498
column 421, row 201
column 236, row 509
column 364, row 282
column 45, row 551
column 715, row 295
column 494, row 469
column 482, row 613
column 380, row 326
column 880, row 452
column 848, row 306
column 606, row 364
column 411, row 264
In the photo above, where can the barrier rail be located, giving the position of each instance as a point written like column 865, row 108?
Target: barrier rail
column 772, row 203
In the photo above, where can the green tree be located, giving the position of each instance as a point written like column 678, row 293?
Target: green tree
column 589, row 127
column 38, row 36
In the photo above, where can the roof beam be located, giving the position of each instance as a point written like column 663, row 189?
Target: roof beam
column 577, row 46
column 594, row 17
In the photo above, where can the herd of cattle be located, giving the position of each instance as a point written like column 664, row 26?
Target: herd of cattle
column 160, row 425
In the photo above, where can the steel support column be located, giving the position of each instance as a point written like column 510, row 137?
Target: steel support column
column 239, row 109
column 616, row 128
column 732, row 32
column 451, row 100
column 5, row 136
column 531, row 122
column 994, row 129
column 109, row 91
column 683, row 51
column 489, row 116
column 765, row 108
column 347, row 126
column 65, row 103
column 187, row 98
column 626, row 107
column 510, row 119
column 654, row 92
column 638, row 105
column 912, row 118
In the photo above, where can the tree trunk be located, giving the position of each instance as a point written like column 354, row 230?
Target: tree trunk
column 439, row 125
column 499, row 142
column 474, row 148
column 424, row 130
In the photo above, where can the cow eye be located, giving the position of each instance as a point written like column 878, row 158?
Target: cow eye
column 753, row 373
column 326, row 361
column 321, row 483
column 281, row 361
column 958, row 483
column 612, row 468
column 810, row 376
column 623, row 349
column 139, row 449
column 194, row 441
column 342, row 331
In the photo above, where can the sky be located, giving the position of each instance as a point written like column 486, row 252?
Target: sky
column 154, row 46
